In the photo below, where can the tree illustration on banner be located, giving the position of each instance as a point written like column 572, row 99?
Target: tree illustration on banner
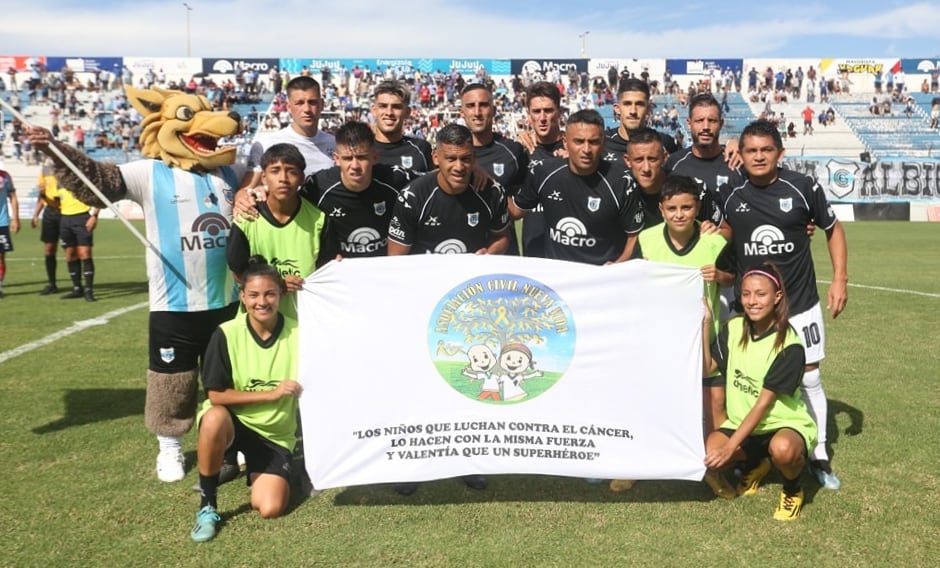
column 501, row 338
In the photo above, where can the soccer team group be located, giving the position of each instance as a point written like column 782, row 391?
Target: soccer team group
column 583, row 194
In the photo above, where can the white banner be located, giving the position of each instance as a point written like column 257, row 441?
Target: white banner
column 432, row 366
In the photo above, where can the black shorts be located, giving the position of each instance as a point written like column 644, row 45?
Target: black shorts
column 714, row 381
column 261, row 454
column 757, row 446
column 73, row 232
column 179, row 339
column 6, row 243
column 49, row 229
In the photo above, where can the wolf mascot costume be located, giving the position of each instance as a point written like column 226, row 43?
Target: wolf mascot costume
column 186, row 189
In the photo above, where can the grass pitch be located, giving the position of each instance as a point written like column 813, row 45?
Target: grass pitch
column 80, row 488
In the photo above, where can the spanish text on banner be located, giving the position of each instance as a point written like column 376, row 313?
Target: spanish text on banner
column 433, row 366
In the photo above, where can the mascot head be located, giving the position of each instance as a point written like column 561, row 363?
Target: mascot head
column 182, row 129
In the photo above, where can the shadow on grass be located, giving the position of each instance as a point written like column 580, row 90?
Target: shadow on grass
column 856, row 418
column 12, row 289
column 240, row 510
column 525, row 488
column 300, row 487
column 103, row 290
column 95, row 405
column 120, row 289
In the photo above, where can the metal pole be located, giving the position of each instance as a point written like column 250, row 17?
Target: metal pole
column 189, row 37
column 584, row 43
column 117, row 212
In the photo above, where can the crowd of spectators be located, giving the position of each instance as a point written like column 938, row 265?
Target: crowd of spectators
column 95, row 110
column 99, row 101
column 111, row 123
column 435, row 97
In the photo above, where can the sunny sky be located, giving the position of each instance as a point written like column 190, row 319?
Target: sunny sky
column 470, row 28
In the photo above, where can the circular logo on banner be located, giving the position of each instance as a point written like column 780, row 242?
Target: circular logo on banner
column 501, row 338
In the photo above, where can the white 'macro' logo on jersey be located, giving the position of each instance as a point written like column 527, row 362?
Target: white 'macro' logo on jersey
column 571, row 232
column 363, row 240
column 450, row 246
column 768, row 240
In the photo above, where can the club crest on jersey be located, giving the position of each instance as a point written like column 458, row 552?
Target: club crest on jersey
column 379, row 207
column 473, row 219
column 594, row 203
column 721, row 180
column 786, row 204
column 167, row 354
column 407, row 161
column 499, row 169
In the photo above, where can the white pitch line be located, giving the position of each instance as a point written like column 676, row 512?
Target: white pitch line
column 74, row 328
column 884, row 289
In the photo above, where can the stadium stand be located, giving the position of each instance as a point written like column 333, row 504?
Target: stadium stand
column 96, row 103
column 889, row 134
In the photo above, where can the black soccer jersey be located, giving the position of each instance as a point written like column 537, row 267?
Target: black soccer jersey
column 616, row 145
column 769, row 224
column 410, row 153
column 710, row 174
column 505, row 160
column 430, row 220
column 358, row 219
column 533, row 226
column 709, row 211
column 588, row 217
column 650, row 204
column 546, row 151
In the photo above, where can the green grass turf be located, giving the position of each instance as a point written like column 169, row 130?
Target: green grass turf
column 80, row 488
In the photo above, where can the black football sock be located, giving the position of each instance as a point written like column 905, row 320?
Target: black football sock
column 88, row 270
column 75, row 273
column 50, row 268
column 791, row 486
column 208, row 488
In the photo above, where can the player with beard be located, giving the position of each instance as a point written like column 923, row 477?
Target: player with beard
column 391, row 108
column 591, row 210
column 505, row 160
column 704, row 160
column 358, row 194
column 768, row 214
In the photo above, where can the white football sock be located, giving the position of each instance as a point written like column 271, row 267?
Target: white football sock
column 818, row 408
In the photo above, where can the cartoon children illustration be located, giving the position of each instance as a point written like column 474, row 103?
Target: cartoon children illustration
column 481, row 362
column 515, row 359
